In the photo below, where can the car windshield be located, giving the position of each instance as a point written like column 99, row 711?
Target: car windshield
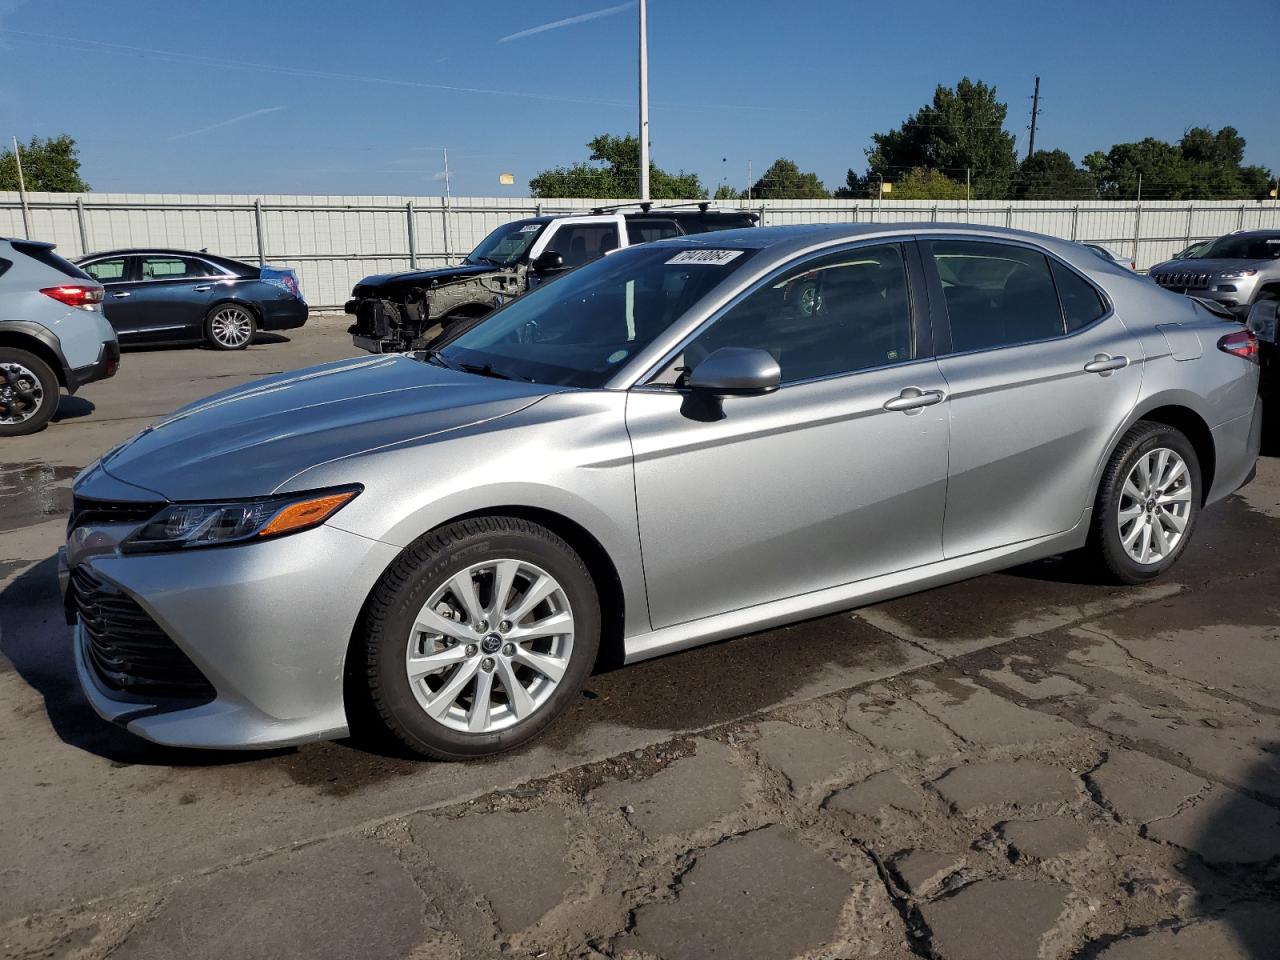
column 507, row 244
column 579, row 329
column 1243, row 247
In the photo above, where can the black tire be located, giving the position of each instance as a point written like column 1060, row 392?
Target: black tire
column 427, row 565
column 224, row 312
column 1105, row 546
column 26, row 380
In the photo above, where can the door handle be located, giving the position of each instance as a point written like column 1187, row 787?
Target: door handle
column 203, row 288
column 120, row 296
column 1104, row 363
column 913, row 398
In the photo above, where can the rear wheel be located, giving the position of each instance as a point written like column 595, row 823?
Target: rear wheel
column 1147, row 504
column 28, row 392
column 478, row 636
column 230, row 326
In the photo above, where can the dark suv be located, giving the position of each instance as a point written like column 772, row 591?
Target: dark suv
column 407, row 311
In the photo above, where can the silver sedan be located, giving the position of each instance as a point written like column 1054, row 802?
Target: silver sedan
column 681, row 442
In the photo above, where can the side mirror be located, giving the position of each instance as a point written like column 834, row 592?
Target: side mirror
column 736, row 372
column 1264, row 320
column 548, row 260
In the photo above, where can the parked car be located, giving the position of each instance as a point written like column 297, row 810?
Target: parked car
column 53, row 336
column 1127, row 262
column 668, row 446
column 1236, row 270
column 176, row 296
column 407, row 311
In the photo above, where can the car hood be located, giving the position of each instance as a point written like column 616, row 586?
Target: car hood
column 1196, row 265
column 250, row 440
column 420, row 278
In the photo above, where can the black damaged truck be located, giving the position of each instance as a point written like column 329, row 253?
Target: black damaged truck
column 396, row 312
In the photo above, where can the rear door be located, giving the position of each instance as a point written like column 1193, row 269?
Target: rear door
column 119, row 278
column 1041, row 374
column 173, row 295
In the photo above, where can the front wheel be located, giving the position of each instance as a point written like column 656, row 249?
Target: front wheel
column 478, row 636
column 1147, row 504
column 230, row 326
column 28, row 393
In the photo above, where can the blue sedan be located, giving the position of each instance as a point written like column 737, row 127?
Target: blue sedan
column 176, row 296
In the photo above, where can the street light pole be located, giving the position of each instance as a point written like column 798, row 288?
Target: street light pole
column 644, row 101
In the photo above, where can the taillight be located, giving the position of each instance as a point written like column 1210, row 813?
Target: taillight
column 1242, row 344
column 75, row 294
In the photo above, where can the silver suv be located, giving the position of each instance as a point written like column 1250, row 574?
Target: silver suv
column 53, row 334
column 1236, row 270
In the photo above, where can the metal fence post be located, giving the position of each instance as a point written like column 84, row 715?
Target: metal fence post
column 1191, row 209
column 413, row 245
column 1075, row 220
column 761, row 220
column 1240, row 218
column 934, row 216
column 84, row 234
column 257, row 221
column 1137, row 230
column 444, row 222
column 1008, row 216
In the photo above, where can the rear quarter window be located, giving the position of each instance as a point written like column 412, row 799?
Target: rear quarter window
column 4, row 266
column 45, row 255
column 1081, row 303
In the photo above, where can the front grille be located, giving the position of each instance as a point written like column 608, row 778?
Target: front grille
column 87, row 510
column 1188, row 280
column 127, row 649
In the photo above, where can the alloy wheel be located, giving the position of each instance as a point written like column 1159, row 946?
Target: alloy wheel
column 1155, row 506
column 21, row 393
column 231, row 327
column 490, row 646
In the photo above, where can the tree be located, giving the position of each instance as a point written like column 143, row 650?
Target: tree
column 51, row 164
column 961, row 129
column 726, row 192
column 1051, row 175
column 785, row 181
column 1203, row 165
column 924, row 184
column 612, row 172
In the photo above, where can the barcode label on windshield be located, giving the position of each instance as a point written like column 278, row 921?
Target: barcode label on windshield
column 713, row 258
column 530, row 227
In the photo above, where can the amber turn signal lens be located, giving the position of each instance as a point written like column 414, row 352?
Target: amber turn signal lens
column 308, row 513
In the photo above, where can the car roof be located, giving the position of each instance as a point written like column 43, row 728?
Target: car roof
column 166, row 252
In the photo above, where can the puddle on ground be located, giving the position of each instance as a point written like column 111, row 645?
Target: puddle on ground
column 31, row 493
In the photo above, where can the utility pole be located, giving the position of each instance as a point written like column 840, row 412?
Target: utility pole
column 748, row 181
column 644, row 100
column 447, row 193
column 22, row 191
column 1035, row 114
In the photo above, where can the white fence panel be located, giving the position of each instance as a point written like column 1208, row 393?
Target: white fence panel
column 333, row 241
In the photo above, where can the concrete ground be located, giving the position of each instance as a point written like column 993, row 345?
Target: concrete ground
column 1024, row 765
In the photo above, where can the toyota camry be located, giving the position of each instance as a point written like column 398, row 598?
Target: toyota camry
column 681, row 442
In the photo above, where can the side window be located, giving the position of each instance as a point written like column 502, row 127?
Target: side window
column 642, row 231
column 839, row 313
column 173, row 268
column 997, row 294
column 1081, row 304
column 107, row 271
column 583, row 242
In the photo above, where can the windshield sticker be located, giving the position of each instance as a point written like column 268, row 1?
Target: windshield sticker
column 530, row 227
column 713, row 258
column 617, row 355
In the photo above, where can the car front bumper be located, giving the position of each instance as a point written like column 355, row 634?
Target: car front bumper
column 267, row 624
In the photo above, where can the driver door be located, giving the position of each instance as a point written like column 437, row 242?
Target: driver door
column 577, row 240
column 812, row 486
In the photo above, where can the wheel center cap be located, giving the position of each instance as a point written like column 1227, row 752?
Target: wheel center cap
column 491, row 644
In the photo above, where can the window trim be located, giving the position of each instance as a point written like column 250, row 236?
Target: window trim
column 943, row 343
column 918, row 303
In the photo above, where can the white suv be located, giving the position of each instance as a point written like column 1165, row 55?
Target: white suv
column 53, row 334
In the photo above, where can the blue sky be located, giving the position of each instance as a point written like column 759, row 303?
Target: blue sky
column 319, row 96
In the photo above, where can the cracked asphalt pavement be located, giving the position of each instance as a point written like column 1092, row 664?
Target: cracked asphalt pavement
column 1024, row 765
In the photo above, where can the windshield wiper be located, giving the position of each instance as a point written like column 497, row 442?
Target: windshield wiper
column 475, row 259
column 486, row 370
column 439, row 359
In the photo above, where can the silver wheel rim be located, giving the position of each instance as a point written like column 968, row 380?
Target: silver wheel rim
column 21, row 393
column 232, row 327
column 491, row 646
column 1155, row 505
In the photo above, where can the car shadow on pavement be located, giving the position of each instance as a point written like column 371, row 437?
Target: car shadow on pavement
column 1239, row 838
column 69, row 408
column 37, row 642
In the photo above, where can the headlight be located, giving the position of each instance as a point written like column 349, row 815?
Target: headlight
column 182, row 526
column 1236, row 274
